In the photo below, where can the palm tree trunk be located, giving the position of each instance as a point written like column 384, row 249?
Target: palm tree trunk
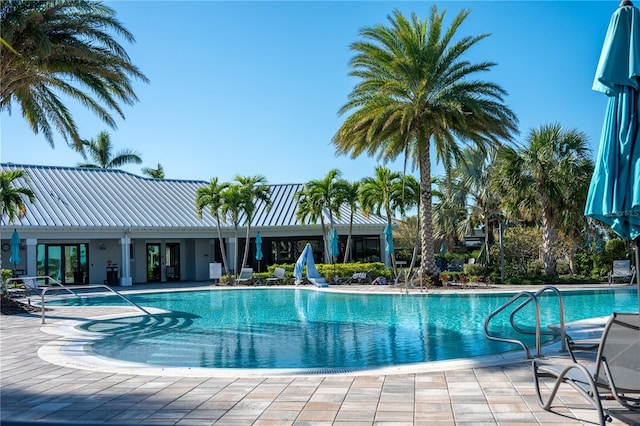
column 548, row 239
column 428, row 264
column 324, row 239
column 245, row 256
column 414, row 256
column 235, row 250
column 347, row 249
column 392, row 255
column 223, row 251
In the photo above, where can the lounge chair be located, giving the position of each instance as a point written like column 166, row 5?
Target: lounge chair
column 246, row 276
column 616, row 371
column 360, row 278
column 278, row 276
column 622, row 269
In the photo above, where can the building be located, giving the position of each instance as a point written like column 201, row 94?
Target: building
column 110, row 226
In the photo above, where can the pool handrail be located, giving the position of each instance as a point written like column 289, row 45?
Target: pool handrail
column 42, row 277
column 549, row 333
column 531, row 296
column 116, row 292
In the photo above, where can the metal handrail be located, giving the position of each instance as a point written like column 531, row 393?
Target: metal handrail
column 531, row 296
column 550, row 333
column 43, row 277
column 122, row 296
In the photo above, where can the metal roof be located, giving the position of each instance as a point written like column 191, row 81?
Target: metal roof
column 73, row 198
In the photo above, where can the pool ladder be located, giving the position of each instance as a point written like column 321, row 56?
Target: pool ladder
column 58, row 285
column 529, row 297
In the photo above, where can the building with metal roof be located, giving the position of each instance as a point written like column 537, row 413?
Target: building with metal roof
column 94, row 225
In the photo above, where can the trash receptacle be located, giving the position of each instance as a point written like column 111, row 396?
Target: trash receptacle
column 112, row 275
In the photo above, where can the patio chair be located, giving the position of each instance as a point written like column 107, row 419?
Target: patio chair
column 615, row 373
column 278, row 276
column 246, row 276
column 622, row 269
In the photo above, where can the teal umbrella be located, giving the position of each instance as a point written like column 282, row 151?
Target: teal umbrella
column 334, row 248
column 15, row 249
column 388, row 236
column 614, row 194
column 258, row 249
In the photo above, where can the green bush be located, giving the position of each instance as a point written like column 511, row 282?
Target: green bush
column 475, row 270
column 328, row 271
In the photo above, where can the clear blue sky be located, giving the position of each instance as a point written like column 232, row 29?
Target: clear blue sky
column 254, row 87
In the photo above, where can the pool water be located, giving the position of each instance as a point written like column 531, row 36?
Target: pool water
column 300, row 328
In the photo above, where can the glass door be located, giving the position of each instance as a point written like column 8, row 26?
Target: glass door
column 153, row 262
column 66, row 263
column 172, row 260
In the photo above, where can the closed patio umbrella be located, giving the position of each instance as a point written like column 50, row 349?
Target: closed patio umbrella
column 388, row 236
column 15, row 249
column 334, row 247
column 258, row 249
column 614, row 193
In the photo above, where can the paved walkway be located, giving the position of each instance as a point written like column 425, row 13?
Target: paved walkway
column 33, row 390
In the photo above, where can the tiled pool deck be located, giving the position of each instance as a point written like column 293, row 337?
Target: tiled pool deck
column 59, row 390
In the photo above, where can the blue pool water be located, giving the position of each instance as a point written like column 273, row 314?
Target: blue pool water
column 299, row 328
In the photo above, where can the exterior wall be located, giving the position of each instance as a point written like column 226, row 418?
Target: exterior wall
column 197, row 250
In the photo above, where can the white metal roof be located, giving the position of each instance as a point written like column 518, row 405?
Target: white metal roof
column 76, row 198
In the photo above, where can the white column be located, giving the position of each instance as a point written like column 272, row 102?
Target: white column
column 31, row 257
column 125, row 262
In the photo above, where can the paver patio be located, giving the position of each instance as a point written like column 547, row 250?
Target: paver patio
column 33, row 390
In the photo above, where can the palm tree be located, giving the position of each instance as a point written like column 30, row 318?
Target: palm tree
column 416, row 89
column 100, row 150
column 233, row 200
column 473, row 176
column 540, row 180
column 64, row 47
column 12, row 196
column 449, row 211
column 410, row 198
column 382, row 195
column 211, row 196
column 327, row 192
column 157, row 173
column 254, row 189
column 309, row 208
column 349, row 194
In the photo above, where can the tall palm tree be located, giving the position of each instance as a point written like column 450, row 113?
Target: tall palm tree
column 327, row 193
column 473, row 176
column 233, row 200
column 157, row 173
column 538, row 181
column 416, row 88
column 211, row 196
column 382, row 195
column 410, row 198
column 101, row 151
column 12, row 196
column 254, row 189
column 64, row 47
column 349, row 194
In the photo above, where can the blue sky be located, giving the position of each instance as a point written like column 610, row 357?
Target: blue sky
column 245, row 88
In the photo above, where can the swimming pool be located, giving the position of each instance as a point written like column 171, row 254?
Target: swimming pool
column 308, row 329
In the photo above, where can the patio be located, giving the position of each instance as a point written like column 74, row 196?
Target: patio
column 33, row 390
